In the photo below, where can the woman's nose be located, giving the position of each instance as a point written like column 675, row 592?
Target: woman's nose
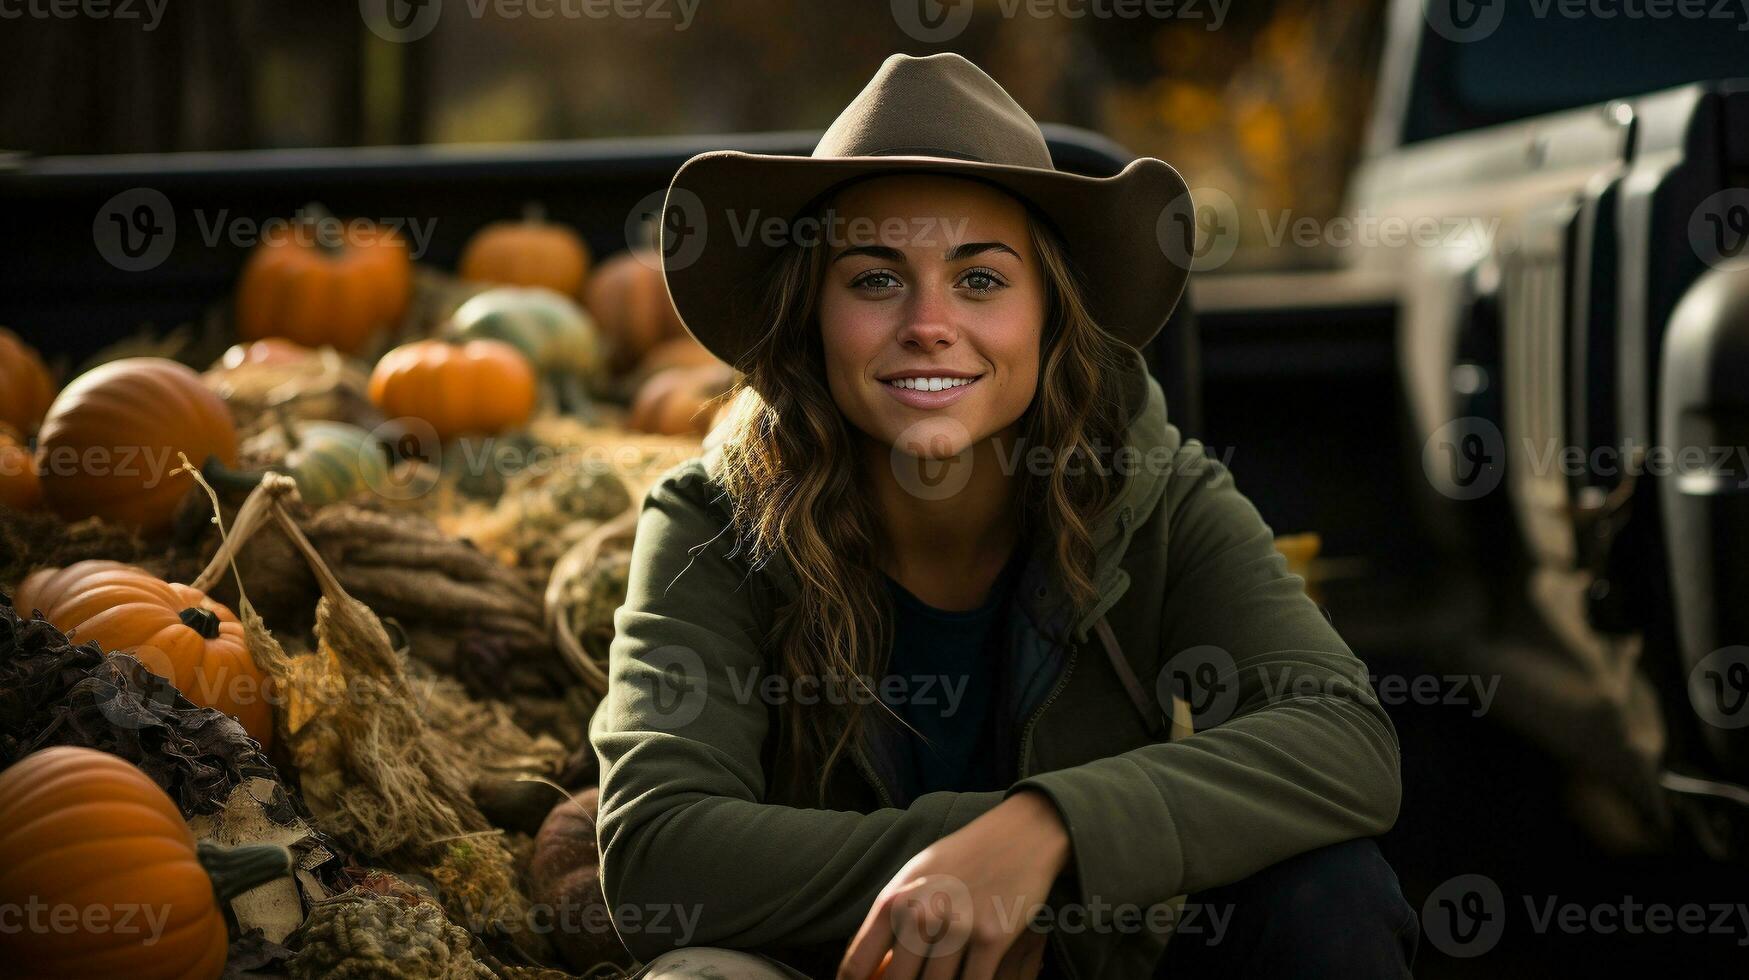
column 929, row 323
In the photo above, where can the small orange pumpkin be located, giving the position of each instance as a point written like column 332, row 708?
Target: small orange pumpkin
column 318, row 282
column 176, row 631
column 629, row 300
column 109, row 443
column 87, row 831
column 25, row 385
column 471, row 387
column 19, row 487
column 530, row 252
column 680, row 400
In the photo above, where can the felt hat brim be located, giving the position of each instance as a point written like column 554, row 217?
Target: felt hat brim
column 1129, row 235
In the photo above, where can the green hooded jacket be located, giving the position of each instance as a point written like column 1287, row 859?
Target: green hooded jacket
column 1291, row 749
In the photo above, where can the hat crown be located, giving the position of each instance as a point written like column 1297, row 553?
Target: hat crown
column 938, row 105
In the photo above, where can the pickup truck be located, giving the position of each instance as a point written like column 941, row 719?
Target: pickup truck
column 1541, row 378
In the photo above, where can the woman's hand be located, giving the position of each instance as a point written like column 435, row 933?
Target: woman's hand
column 961, row 907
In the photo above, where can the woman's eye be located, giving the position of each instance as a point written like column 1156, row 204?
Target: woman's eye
column 873, row 280
column 983, row 280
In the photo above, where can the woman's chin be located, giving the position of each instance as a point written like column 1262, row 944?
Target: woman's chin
column 937, row 436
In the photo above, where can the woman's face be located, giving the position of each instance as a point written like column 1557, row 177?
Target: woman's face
column 931, row 312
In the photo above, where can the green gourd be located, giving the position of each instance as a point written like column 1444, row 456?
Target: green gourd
column 557, row 336
column 330, row 461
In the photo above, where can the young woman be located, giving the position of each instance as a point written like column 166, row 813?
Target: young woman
column 949, row 656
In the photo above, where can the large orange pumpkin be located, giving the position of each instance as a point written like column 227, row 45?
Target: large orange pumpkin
column 111, row 438
column 176, row 631
column 19, row 487
column 317, row 281
column 25, row 386
column 629, row 300
column 472, row 387
column 530, row 252
column 105, row 878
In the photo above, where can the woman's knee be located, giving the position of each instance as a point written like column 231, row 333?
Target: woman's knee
column 1334, row 911
column 1349, row 882
column 712, row 963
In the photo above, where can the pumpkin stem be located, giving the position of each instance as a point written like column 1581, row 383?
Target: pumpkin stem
column 534, row 213
column 202, row 621
column 223, row 477
column 235, row 870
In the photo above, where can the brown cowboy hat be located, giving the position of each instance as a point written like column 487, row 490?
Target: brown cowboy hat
column 1129, row 234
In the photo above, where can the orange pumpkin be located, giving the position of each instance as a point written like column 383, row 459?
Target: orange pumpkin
column 629, row 300
column 19, row 487
column 471, row 387
column 316, row 281
column 86, row 831
column 111, row 438
column 25, row 386
column 176, row 631
column 530, row 252
column 680, row 401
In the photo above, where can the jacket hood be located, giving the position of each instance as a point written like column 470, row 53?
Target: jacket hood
column 1150, row 443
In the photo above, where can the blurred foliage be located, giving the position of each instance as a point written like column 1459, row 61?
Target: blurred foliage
column 1268, row 108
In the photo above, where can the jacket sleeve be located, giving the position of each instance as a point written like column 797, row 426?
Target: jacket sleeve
column 1304, row 757
column 689, row 853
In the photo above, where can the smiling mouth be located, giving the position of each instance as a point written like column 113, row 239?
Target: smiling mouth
column 930, row 384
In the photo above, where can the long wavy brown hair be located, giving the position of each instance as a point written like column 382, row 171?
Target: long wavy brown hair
column 791, row 471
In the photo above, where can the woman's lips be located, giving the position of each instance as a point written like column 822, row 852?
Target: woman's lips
column 917, row 398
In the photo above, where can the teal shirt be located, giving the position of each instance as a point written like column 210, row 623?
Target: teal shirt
column 945, row 678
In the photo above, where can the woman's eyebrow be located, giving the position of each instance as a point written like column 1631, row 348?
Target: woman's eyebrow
column 978, row 248
column 890, row 254
column 883, row 252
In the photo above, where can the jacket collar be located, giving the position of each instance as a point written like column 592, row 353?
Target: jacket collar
column 1146, row 436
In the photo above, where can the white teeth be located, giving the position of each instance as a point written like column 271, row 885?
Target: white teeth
column 930, row 384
